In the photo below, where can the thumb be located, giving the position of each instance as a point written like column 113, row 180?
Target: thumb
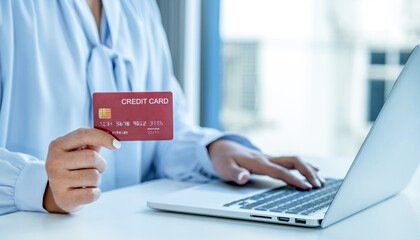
column 238, row 174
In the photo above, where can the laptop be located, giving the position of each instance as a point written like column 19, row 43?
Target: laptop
column 384, row 165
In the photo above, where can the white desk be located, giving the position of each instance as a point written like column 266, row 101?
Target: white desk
column 123, row 214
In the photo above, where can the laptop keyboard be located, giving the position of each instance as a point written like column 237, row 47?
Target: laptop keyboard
column 290, row 200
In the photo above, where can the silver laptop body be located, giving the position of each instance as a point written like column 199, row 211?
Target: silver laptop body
column 384, row 165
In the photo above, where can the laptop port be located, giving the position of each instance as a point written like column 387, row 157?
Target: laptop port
column 300, row 221
column 259, row 216
column 283, row 219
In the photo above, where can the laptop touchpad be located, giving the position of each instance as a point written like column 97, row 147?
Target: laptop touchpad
column 255, row 183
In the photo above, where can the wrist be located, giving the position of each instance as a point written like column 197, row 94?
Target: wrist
column 49, row 203
column 215, row 146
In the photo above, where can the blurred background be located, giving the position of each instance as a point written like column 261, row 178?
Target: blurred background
column 295, row 77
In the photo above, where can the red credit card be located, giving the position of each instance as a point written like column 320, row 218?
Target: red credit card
column 134, row 116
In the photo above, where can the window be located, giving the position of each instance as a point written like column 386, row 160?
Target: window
column 309, row 77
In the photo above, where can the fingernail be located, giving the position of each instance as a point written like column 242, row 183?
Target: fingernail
column 322, row 179
column 307, row 184
column 242, row 175
column 318, row 183
column 116, row 143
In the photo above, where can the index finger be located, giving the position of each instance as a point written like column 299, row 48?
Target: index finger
column 264, row 167
column 279, row 172
column 88, row 136
column 305, row 169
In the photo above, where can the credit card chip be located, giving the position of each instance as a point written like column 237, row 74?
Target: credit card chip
column 104, row 113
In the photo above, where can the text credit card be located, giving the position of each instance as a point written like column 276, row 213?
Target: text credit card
column 134, row 116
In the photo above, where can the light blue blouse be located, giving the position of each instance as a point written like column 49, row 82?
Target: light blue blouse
column 51, row 61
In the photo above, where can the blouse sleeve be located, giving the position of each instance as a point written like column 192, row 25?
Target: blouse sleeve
column 22, row 182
